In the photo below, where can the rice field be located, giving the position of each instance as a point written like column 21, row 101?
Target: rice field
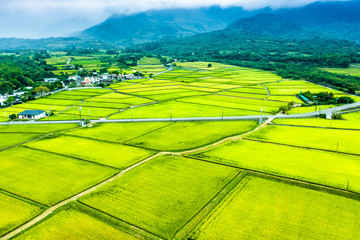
column 205, row 192
column 180, row 136
column 266, row 209
column 167, row 191
column 328, row 139
column 72, row 224
column 326, row 168
column 50, row 177
column 105, row 153
column 15, row 212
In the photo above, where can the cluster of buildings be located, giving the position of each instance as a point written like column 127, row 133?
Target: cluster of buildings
column 16, row 95
column 100, row 78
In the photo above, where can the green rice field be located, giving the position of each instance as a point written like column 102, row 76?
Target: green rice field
column 169, row 139
column 50, row 177
column 326, row 168
column 166, row 178
column 266, row 209
column 15, row 212
column 110, row 154
column 72, row 224
column 167, row 191
column 327, row 139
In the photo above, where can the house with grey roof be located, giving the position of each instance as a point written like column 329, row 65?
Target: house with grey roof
column 32, row 114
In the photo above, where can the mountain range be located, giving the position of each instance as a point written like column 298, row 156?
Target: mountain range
column 330, row 20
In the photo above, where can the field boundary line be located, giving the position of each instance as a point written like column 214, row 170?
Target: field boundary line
column 274, row 175
column 75, row 197
column 168, row 125
column 83, row 207
column 308, row 148
column 233, row 138
column 73, row 157
column 210, row 105
column 38, row 138
column 24, row 199
column 212, row 204
column 304, row 126
column 222, row 204
column 112, row 142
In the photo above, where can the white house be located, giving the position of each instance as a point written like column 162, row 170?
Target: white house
column 50, row 80
column 32, row 114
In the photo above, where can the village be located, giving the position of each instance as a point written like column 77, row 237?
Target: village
column 95, row 79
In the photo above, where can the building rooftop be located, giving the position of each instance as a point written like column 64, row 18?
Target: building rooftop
column 31, row 112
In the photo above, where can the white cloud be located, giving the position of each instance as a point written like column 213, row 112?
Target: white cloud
column 44, row 18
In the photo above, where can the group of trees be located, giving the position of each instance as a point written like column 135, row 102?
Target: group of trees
column 22, row 71
column 327, row 98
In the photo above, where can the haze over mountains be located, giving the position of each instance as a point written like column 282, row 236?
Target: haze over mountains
column 325, row 19
column 333, row 19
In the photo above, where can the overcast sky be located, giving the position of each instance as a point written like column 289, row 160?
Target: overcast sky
column 46, row 18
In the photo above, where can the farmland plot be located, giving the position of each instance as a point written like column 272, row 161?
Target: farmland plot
column 72, row 224
column 118, row 132
column 15, row 212
column 180, row 136
column 331, row 169
column 110, row 154
column 11, row 139
column 173, row 109
column 266, row 209
column 50, row 177
column 328, row 139
column 167, row 191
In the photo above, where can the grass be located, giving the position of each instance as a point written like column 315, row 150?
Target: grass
column 110, row 154
column 58, row 102
column 92, row 111
column 328, row 139
column 352, row 121
column 117, row 132
column 346, row 71
column 36, row 128
column 47, row 178
column 178, row 110
column 11, row 139
column 234, row 102
column 331, row 169
column 162, row 195
column 149, row 60
column 309, row 109
column 186, row 135
column 72, row 224
column 15, row 212
column 130, row 100
column 265, row 209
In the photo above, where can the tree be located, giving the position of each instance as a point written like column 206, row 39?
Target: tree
column 12, row 116
column 41, row 90
column 209, row 65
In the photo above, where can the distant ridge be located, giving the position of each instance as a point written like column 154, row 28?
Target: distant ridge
column 334, row 19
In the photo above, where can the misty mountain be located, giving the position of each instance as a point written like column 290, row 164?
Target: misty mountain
column 163, row 24
column 269, row 24
column 332, row 19
column 50, row 43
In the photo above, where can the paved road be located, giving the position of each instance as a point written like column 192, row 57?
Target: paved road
column 238, row 118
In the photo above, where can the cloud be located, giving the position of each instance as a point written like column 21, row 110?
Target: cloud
column 45, row 18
